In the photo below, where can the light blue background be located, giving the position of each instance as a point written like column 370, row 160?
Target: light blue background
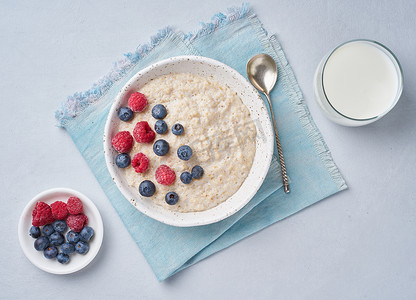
column 359, row 243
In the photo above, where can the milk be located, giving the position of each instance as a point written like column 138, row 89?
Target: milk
column 359, row 81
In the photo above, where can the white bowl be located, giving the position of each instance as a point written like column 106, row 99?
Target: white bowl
column 264, row 141
column 78, row 261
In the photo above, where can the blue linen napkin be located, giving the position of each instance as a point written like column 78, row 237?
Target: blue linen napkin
column 232, row 38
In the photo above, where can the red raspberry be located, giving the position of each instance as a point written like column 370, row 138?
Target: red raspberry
column 122, row 141
column 165, row 175
column 42, row 214
column 137, row 102
column 140, row 163
column 143, row 133
column 74, row 206
column 59, row 211
column 77, row 222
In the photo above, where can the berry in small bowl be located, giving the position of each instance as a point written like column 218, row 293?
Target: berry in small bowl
column 59, row 226
column 41, row 243
column 82, row 247
column 50, row 252
column 48, row 229
column 62, row 258
column 56, row 239
column 34, row 232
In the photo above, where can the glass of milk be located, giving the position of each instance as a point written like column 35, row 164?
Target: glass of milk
column 358, row 82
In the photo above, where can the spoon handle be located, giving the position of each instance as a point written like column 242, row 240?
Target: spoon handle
column 279, row 149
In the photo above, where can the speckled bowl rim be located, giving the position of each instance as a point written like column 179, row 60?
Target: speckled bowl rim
column 264, row 141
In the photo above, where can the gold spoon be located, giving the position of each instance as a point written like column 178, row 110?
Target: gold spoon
column 262, row 73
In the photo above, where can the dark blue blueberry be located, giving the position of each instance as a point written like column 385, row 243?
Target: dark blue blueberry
column 161, row 147
column 184, row 152
column 161, row 127
column 125, row 114
column 48, row 229
column 171, row 198
column 186, row 177
column 72, row 237
column 67, row 248
column 59, row 225
column 86, row 234
column 50, row 252
column 147, row 188
column 41, row 243
column 159, row 111
column 123, row 160
column 197, row 172
column 62, row 258
column 34, row 232
column 82, row 247
column 177, row 129
column 56, row 239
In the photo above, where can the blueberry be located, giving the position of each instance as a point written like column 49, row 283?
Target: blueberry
column 62, row 258
column 34, row 232
column 48, row 229
column 50, row 252
column 82, row 247
column 59, row 225
column 72, row 237
column 171, row 198
column 159, row 111
column 161, row 147
column 56, row 239
column 186, row 177
column 67, row 248
column 86, row 234
column 41, row 243
column 197, row 172
column 125, row 114
column 184, row 152
column 147, row 188
column 161, row 127
column 177, row 129
column 123, row 160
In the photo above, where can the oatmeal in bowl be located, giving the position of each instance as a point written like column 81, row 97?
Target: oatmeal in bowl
column 188, row 141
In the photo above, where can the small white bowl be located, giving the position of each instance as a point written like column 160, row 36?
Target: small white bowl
column 78, row 261
column 202, row 66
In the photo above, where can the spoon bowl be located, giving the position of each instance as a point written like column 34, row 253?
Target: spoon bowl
column 262, row 72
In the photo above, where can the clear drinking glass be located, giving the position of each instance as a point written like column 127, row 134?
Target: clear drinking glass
column 351, row 78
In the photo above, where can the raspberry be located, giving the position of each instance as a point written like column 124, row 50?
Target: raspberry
column 59, row 211
column 77, row 222
column 140, row 163
column 122, row 141
column 74, row 206
column 143, row 133
column 137, row 102
column 165, row 175
column 42, row 214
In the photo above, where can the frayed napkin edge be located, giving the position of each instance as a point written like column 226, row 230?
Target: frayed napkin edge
column 78, row 102
column 292, row 89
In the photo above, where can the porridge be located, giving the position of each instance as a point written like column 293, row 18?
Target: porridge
column 215, row 125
